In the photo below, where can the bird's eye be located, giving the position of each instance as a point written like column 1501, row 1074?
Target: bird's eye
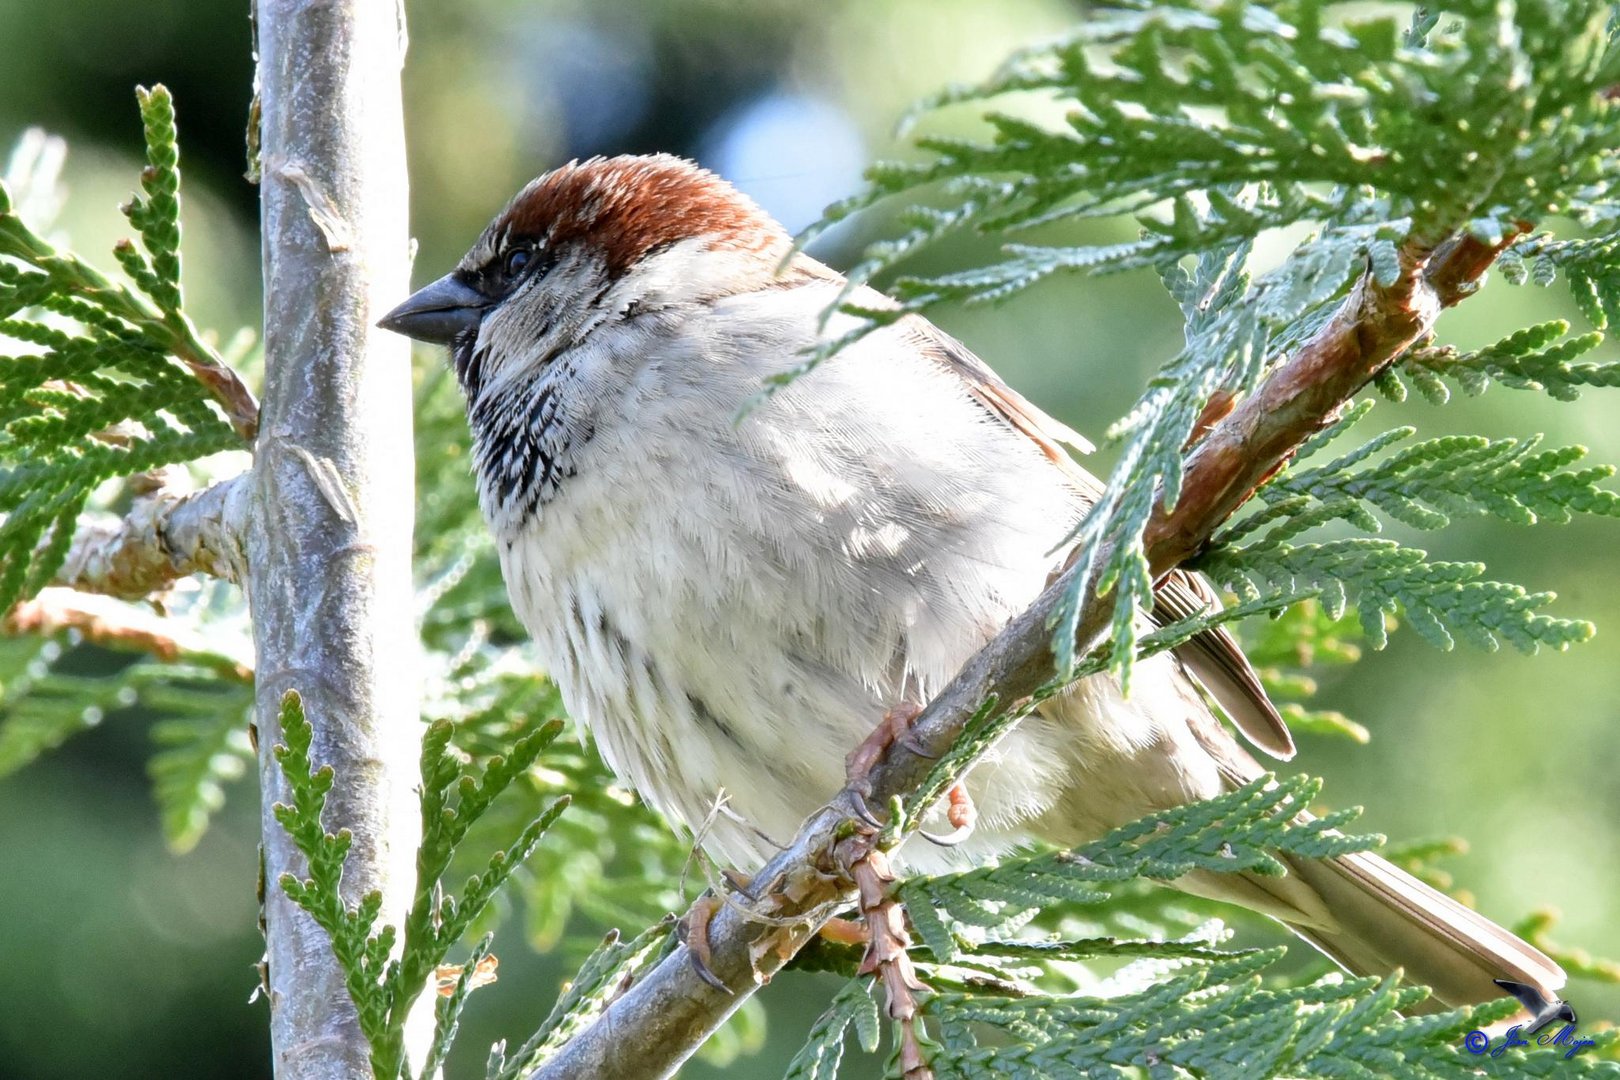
column 516, row 260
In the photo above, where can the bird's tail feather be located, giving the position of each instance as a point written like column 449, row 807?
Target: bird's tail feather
column 1384, row 918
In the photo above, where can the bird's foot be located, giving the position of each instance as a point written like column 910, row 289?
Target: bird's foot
column 896, row 729
column 693, row 930
column 887, row 942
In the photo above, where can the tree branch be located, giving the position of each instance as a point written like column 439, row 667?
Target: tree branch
column 167, row 535
column 329, row 539
column 661, row 1020
column 117, row 625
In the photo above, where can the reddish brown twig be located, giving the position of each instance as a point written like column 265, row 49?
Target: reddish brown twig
column 118, row 625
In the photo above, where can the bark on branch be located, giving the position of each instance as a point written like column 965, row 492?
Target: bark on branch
column 660, row 1021
column 166, row 535
column 329, row 540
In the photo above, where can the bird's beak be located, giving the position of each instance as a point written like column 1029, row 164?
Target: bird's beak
column 438, row 313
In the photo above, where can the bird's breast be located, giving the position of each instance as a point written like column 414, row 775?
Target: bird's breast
column 730, row 605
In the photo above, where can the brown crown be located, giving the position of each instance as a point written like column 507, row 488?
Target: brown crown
column 630, row 206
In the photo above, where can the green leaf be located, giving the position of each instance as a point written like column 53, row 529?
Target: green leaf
column 1442, row 600
column 1239, row 832
column 203, row 745
column 1429, row 484
column 823, row 1050
column 97, row 381
column 587, row 994
column 1530, row 359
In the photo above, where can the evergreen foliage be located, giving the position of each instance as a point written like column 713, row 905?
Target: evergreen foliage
column 1184, row 1006
column 1285, row 649
column 41, row 704
column 600, row 979
column 1532, row 359
column 383, row 984
column 1424, row 486
column 1214, row 123
column 51, row 690
column 1241, row 831
column 1244, row 119
column 101, row 380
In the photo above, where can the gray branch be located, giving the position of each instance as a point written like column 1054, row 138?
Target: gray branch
column 329, row 538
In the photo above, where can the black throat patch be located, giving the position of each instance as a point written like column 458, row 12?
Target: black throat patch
column 525, row 443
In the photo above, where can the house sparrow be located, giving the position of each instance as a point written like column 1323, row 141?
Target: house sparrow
column 730, row 604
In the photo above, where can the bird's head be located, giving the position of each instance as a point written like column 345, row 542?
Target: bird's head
column 593, row 242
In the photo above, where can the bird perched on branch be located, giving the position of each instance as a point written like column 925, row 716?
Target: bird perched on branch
column 731, row 604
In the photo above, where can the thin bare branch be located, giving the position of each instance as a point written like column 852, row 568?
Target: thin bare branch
column 661, row 1020
column 167, row 535
column 115, row 624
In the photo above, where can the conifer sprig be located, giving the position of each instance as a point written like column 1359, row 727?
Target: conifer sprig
column 1195, row 1011
column 383, row 985
column 1590, row 264
column 101, row 380
column 823, row 1051
column 1241, row 831
column 1425, row 486
column 181, row 673
column 1245, row 118
column 1536, row 358
column 1218, row 1018
column 1429, row 484
column 610, row 967
column 1441, row 600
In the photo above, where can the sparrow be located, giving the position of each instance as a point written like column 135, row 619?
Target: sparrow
column 729, row 590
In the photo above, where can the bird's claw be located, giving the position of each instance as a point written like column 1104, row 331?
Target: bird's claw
column 895, row 728
column 962, row 815
column 693, row 931
column 950, row 839
column 910, row 741
column 860, row 811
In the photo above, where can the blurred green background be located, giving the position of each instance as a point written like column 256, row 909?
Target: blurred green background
column 123, row 959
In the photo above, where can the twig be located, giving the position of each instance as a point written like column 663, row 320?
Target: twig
column 662, row 1020
column 106, row 621
column 165, row 536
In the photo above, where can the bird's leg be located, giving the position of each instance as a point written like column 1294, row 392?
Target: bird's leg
column 858, row 766
column 693, row 927
column 838, row 931
column 896, row 728
column 886, row 947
